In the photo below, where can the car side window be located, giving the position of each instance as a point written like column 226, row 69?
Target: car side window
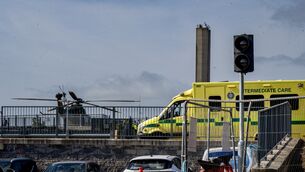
column 177, row 162
column 92, row 167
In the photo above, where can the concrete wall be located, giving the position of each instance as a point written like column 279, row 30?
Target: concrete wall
column 112, row 155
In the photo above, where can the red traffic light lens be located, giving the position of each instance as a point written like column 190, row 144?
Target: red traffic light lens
column 242, row 43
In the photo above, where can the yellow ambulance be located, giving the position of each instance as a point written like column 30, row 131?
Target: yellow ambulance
column 169, row 121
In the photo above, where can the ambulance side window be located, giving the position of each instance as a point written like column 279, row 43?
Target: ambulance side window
column 215, row 104
column 255, row 106
column 293, row 102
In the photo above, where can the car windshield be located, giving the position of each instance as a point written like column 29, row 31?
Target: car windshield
column 4, row 163
column 221, row 153
column 149, row 164
column 23, row 165
column 216, row 154
column 66, row 167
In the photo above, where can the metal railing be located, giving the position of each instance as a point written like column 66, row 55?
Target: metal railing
column 139, row 121
column 274, row 125
column 39, row 121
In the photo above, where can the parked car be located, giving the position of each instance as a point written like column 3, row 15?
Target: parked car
column 154, row 163
column 218, row 152
column 22, row 165
column 73, row 166
column 4, row 164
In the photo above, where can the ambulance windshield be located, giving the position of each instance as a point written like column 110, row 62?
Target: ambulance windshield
column 176, row 109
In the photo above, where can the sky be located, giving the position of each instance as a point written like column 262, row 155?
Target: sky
column 139, row 49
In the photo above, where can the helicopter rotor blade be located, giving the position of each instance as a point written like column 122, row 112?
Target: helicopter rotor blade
column 68, row 104
column 73, row 95
column 123, row 101
column 49, row 110
column 36, row 99
column 100, row 106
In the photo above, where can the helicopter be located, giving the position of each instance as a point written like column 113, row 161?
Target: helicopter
column 72, row 113
column 74, row 106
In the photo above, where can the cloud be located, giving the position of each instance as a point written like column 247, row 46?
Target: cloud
column 100, row 48
column 283, row 59
column 79, row 44
column 278, row 67
column 151, row 88
column 291, row 14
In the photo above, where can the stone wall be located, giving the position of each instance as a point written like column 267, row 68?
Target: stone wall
column 112, row 155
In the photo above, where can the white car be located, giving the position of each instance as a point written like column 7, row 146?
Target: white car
column 154, row 163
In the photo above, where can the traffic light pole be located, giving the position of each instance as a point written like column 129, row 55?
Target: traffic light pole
column 184, row 142
column 241, row 124
column 243, row 63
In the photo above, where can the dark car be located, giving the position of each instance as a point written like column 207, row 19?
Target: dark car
column 73, row 166
column 22, row 165
column 4, row 164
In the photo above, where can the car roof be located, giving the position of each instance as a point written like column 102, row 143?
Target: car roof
column 5, row 160
column 217, row 149
column 164, row 157
column 218, row 152
column 71, row 162
column 21, row 159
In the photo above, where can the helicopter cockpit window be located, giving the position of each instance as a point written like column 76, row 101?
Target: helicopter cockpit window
column 176, row 109
column 77, row 109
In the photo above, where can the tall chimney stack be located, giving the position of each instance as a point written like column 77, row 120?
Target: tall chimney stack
column 203, row 46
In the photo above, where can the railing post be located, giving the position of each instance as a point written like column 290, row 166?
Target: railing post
column 184, row 143
column 113, row 123
column 56, row 124
column 247, row 134
column 24, row 126
column 1, row 121
column 67, row 123
column 16, row 121
column 233, row 139
column 208, row 131
column 171, row 123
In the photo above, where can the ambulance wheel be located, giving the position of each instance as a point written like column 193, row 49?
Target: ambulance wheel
column 155, row 135
column 159, row 135
column 256, row 137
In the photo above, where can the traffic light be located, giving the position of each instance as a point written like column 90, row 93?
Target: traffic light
column 243, row 53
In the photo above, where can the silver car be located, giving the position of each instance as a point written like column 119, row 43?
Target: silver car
column 73, row 166
column 154, row 163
